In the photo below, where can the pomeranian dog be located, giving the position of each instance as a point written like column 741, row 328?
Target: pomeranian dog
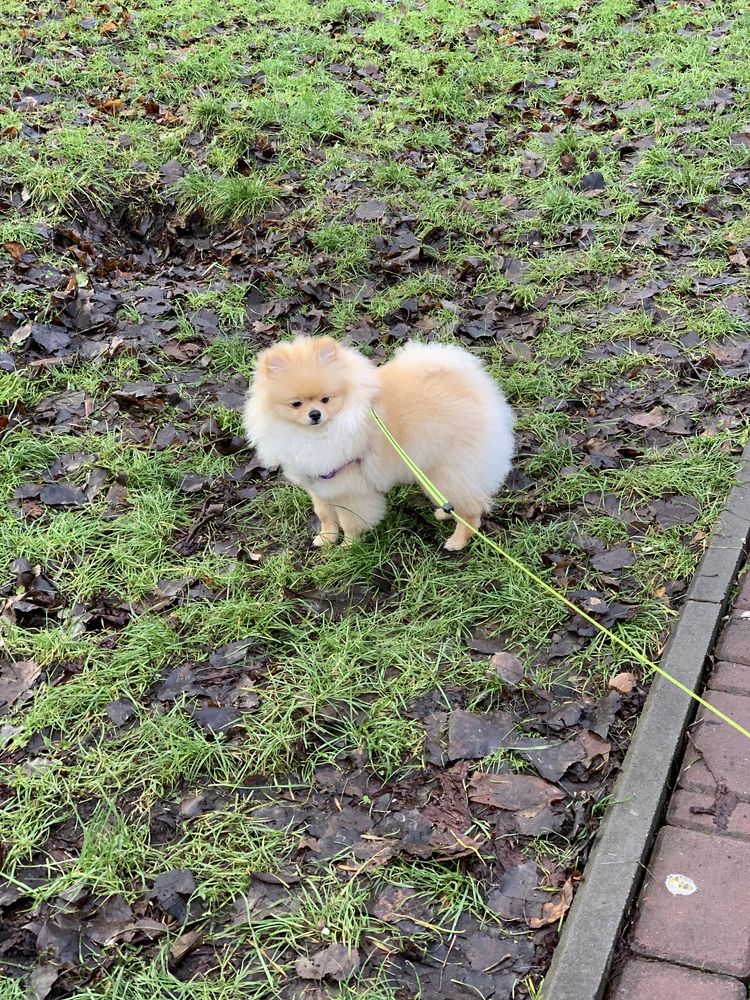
column 308, row 411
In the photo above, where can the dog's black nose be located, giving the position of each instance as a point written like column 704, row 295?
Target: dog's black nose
column 314, row 416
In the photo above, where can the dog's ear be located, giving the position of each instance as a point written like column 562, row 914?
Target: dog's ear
column 328, row 350
column 272, row 362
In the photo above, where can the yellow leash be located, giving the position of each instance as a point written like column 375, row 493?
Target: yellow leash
column 429, row 487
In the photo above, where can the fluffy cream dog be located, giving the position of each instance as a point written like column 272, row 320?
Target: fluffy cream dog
column 308, row 411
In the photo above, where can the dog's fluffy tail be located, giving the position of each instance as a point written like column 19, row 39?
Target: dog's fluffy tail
column 439, row 357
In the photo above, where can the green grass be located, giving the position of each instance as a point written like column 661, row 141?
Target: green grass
column 285, row 117
column 225, row 199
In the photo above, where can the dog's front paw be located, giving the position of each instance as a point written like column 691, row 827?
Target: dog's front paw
column 320, row 540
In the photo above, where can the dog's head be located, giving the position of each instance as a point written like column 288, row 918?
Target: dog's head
column 304, row 381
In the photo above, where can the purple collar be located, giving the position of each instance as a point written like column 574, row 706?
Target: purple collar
column 335, row 472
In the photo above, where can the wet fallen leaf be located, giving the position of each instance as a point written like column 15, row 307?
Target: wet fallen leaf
column 15, row 680
column 192, row 806
column 528, row 798
column 593, row 183
column 62, row 937
column 41, row 981
column 551, row 758
column 507, row 667
column 532, row 165
column 402, row 906
column 613, row 560
column 657, row 417
column 623, row 682
column 233, row 652
column 599, row 717
column 518, row 897
column 184, row 944
column 336, row 962
column 677, row 512
column 370, row 211
column 223, row 719
column 595, row 748
column 193, row 483
column 16, row 250
column 121, row 711
column 471, row 737
column 111, row 921
column 448, row 807
column 140, row 394
column 113, row 106
column 555, row 908
column 172, row 890
column 499, row 954
column 62, row 495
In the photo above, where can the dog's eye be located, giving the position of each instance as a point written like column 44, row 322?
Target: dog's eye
column 296, row 404
column 326, row 399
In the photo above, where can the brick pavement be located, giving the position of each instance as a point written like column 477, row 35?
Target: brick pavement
column 690, row 937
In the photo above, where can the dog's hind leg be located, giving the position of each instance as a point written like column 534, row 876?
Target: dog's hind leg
column 468, row 503
column 463, row 532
